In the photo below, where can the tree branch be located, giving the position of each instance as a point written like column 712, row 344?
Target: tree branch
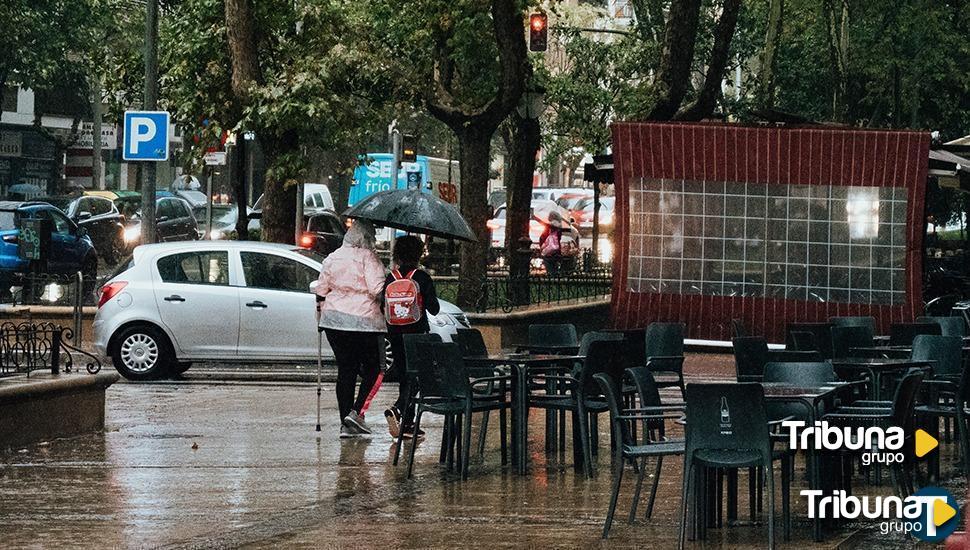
column 678, row 54
column 706, row 100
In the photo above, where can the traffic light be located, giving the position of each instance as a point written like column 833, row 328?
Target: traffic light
column 538, row 30
column 409, row 148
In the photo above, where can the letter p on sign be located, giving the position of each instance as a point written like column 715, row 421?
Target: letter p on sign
column 146, row 136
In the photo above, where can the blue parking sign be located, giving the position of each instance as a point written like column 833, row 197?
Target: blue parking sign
column 146, row 135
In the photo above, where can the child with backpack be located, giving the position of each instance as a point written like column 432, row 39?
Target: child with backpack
column 409, row 296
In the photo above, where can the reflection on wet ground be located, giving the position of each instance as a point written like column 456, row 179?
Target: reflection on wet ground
column 198, row 465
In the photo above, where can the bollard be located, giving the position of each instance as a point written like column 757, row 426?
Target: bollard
column 56, row 351
column 78, row 308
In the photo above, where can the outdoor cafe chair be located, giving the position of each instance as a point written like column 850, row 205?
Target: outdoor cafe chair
column 627, row 448
column 553, row 335
column 750, row 357
column 952, row 402
column 900, row 413
column 946, row 354
column 821, row 340
column 727, row 428
column 665, row 352
column 847, row 337
column 411, row 375
column 949, row 326
column 471, row 343
column 861, row 321
column 581, row 395
column 444, row 388
column 805, row 374
column 903, row 334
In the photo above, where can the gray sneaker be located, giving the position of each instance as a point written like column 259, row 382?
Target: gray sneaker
column 356, row 422
column 346, row 432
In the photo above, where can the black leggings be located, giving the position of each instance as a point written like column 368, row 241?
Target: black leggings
column 399, row 369
column 357, row 353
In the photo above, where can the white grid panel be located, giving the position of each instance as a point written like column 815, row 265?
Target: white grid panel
column 803, row 242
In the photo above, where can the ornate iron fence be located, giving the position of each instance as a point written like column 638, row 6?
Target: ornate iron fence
column 26, row 347
column 502, row 292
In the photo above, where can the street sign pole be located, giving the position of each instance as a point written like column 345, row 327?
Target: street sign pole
column 299, row 214
column 151, row 103
column 208, row 203
column 396, row 165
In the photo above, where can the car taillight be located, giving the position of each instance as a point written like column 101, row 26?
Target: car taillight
column 306, row 241
column 11, row 239
column 109, row 291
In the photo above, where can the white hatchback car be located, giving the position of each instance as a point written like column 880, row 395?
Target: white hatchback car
column 221, row 301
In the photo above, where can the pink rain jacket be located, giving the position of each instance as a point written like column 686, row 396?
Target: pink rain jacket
column 352, row 279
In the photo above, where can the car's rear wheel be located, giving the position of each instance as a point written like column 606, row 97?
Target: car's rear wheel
column 142, row 352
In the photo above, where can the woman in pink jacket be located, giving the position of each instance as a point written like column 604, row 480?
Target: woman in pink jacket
column 348, row 297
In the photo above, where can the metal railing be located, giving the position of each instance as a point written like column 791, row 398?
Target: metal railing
column 26, row 347
column 47, row 289
column 503, row 292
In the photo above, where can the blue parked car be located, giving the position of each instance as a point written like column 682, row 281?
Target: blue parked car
column 71, row 248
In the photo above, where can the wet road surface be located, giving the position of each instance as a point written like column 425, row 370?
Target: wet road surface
column 196, row 465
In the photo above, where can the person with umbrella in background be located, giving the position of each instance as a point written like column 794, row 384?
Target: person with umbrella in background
column 409, row 296
column 349, row 291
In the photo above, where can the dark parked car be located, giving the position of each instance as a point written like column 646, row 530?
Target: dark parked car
column 173, row 222
column 324, row 233
column 102, row 220
column 70, row 251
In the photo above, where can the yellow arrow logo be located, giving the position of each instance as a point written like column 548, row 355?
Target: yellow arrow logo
column 925, row 443
column 942, row 512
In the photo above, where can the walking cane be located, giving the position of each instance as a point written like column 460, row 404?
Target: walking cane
column 319, row 369
column 319, row 359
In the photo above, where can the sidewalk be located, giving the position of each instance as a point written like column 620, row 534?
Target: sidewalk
column 260, row 476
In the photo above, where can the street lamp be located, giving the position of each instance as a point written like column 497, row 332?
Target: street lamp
column 532, row 103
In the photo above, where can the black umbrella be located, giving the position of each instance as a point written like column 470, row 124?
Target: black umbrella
column 414, row 211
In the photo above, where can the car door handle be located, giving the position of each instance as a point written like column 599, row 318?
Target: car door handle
column 174, row 298
column 256, row 304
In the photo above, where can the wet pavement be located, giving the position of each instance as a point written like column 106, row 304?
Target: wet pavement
column 200, row 465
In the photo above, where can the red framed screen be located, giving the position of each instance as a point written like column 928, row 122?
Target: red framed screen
column 698, row 161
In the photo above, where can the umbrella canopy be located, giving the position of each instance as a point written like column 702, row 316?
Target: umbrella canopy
column 414, row 211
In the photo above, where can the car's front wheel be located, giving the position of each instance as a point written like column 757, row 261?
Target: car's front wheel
column 142, row 352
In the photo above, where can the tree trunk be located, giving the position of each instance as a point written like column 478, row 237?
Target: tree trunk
column 522, row 150
column 706, row 100
column 766, row 75
column 242, row 47
column 474, row 149
column 279, row 193
column 837, row 17
column 238, row 187
column 678, row 55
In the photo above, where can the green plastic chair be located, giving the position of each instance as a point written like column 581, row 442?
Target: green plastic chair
column 727, row 428
column 949, row 326
column 553, row 335
column 846, row 337
column 627, row 448
column 444, row 388
column 665, row 352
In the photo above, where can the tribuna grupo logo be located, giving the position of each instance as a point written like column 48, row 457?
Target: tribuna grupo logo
column 930, row 514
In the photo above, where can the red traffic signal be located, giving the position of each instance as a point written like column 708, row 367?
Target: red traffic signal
column 538, row 32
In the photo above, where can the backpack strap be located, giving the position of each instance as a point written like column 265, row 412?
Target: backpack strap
column 411, row 274
column 396, row 274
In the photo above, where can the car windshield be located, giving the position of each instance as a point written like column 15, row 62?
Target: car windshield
column 309, row 254
column 59, row 202
column 221, row 213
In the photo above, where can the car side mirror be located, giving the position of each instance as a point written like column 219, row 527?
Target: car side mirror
column 313, row 285
column 84, row 216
